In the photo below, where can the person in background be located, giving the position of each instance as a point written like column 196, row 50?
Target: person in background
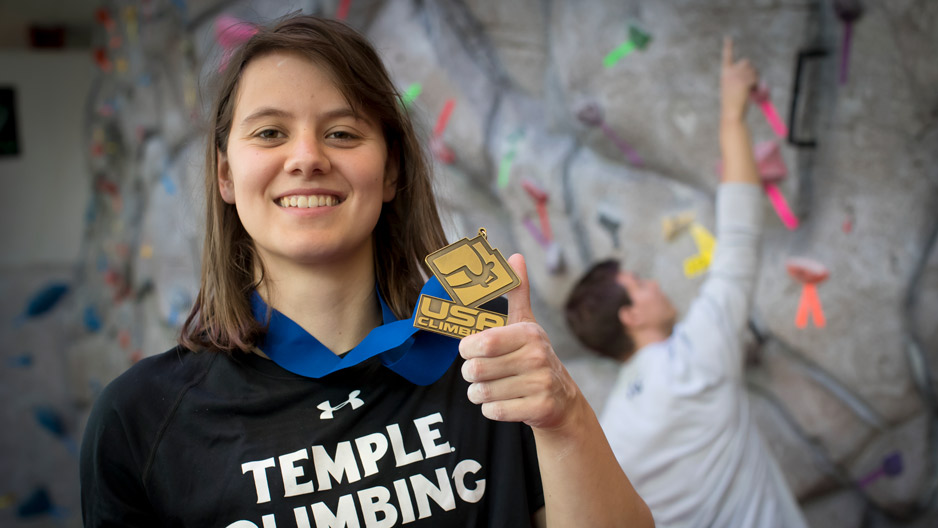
column 288, row 402
column 678, row 417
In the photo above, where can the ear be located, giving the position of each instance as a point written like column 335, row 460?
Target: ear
column 225, row 185
column 629, row 317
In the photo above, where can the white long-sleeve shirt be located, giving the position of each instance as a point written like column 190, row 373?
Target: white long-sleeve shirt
column 678, row 418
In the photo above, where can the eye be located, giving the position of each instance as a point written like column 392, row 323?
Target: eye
column 269, row 133
column 341, row 135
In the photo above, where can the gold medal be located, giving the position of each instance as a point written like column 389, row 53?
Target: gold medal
column 472, row 272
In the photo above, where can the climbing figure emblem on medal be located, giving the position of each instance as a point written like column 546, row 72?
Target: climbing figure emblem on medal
column 472, row 272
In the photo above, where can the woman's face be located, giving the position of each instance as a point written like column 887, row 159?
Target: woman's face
column 307, row 176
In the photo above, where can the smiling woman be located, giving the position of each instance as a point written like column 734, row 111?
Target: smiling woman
column 368, row 108
column 284, row 148
column 294, row 360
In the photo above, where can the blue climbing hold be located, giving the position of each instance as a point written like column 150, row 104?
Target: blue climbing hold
column 46, row 299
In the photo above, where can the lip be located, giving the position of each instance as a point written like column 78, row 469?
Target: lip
column 308, row 192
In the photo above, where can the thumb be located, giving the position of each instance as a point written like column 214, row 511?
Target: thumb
column 519, row 299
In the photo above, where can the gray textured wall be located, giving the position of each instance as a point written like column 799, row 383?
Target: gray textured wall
column 832, row 401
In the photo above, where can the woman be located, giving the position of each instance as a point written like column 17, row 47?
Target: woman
column 320, row 212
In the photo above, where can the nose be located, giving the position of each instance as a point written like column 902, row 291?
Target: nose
column 307, row 155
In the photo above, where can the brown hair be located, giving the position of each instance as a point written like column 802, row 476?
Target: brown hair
column 409, row 226
column 592, row 311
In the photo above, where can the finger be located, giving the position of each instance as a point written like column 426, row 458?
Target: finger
column 503, row 389
column 531, row 356
column 519, row 299
column 481, row 369
column 498, row 341
column 532, row 410
column 505, row 410
column 727, row 51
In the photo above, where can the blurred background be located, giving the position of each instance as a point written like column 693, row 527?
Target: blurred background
column 571, row 131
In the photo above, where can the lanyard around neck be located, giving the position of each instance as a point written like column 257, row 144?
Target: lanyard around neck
column 418, row 356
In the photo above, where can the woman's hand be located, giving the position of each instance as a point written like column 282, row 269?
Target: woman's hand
column 513, row 371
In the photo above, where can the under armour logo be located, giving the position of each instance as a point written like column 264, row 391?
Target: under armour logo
column 328, row 410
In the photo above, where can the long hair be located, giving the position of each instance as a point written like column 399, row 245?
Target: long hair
column 408, row 228
column 592, row 311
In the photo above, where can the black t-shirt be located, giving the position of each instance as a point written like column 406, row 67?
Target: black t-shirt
column 210, row 439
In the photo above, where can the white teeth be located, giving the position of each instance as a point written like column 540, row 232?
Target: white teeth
column 308, row 201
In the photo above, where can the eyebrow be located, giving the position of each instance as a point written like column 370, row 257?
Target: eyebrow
column 269, row 111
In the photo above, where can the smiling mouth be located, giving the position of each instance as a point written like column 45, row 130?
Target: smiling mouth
column 306, row 202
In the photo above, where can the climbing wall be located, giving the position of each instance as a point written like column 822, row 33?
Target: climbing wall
column 574, row 132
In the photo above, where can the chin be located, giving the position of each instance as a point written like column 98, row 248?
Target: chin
column 322, row 253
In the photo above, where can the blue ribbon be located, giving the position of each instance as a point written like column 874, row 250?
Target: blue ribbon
column 419, row 357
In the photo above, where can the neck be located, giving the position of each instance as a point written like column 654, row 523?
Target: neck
column 336, row 303
column 648, row 336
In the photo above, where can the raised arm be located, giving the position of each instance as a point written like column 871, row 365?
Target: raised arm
column 737, row 79
column 718, row 315
column 516, row 377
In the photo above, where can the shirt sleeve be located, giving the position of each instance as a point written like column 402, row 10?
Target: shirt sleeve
column 709, row 335
column 112, row 491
